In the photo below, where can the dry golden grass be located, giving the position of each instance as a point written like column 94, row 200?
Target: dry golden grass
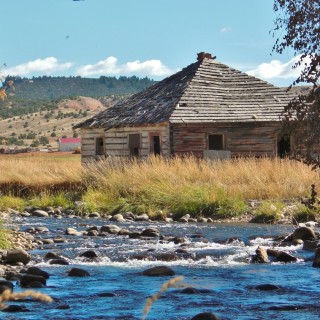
column 179, row 185
column 172, row 283
column 38, row 171
column 7, row 295
column 248, row 178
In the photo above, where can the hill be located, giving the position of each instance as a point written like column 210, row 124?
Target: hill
column 43, row 127
column 36, row 112
column 51, row 88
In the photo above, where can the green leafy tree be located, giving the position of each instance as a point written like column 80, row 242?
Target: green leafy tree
column 297, row 27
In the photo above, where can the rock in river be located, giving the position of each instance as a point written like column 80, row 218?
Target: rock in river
column 316, row 260
column 77, row 272
column 160, row 271
column 19, row 255
column 304, row 233
column 37, row 272
column 27, row 280
column 205, row 316
column 40, row 213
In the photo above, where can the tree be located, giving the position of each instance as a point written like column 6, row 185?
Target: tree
column 298, row 23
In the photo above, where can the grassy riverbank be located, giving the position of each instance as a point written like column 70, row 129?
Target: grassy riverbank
column 157, row 186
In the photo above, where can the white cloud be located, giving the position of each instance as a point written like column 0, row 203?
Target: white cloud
column 110, row 66
column 276, row 69
column 225, row 29
column 44, row 66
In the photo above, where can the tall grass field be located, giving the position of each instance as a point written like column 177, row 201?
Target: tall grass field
column 156, row 186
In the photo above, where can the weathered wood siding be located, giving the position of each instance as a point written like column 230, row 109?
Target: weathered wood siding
column 245, row 139
column 88, row 142
column 116, row 140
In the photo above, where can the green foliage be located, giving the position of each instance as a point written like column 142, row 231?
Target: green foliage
column 12, row 202
column 52, row 200
column 4, row 237
column 302, row 213
column 268, row 211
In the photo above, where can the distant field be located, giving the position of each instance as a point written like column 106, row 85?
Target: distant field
column 60, row 156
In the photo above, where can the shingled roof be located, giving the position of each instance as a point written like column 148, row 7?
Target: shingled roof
column 205, row 91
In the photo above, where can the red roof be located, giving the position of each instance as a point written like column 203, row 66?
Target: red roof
column 70, row 140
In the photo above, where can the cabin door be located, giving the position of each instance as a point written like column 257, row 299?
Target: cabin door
column 155, row 147
column 283, row 146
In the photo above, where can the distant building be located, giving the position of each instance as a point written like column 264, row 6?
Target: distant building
column 69, row 144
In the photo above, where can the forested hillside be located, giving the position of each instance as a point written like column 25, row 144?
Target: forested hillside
column 50, row 88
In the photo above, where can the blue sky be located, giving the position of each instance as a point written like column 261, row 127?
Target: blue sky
column 153, row 38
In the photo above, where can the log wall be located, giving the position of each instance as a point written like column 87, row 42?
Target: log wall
column 88, row 142
column 246, row 139
column 116, row 140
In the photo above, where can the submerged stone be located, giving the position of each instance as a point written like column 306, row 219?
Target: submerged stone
column 160, row 271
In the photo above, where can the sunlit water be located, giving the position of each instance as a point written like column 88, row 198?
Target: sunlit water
column 221, row 272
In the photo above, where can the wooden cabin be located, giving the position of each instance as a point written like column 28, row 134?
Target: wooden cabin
column 207, row 109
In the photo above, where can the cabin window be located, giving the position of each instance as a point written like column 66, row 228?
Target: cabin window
column 284, row 146
column 134, row 144
column 215, row 142
column 155, row 145
column 99, row 146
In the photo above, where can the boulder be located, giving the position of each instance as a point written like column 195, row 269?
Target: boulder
column 94, row 215
column 77, row 272
column 160, row 271
column 40, row 213
column 60, row 261
column 316, row 260
column 134, row 235
column 310, row 245
column 169, row 220
column 184, row 218
column 27, row 280
column 166, row 257
column 142, row 217
column 16, row 256
column 129, row 216
column 42, row 229
column 106, row 294
column 281, row 256
column 150, row 232
column 261, row 256
column 118, row 218
column 110, row 228
column 190, row 290
column 124, row 232
column 205, row 316
column 15, row 308
column 203, row 220
column 63, row 307
column 304, row 233
column 267, row 287
column 47, row 241
column 52, row 255
column 72, row 232
column 92, row 233
column 5, row 285
column 90, row 254
column 37, row 272
column 59, row 240
column 192, row 220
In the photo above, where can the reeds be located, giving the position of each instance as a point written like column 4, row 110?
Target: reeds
column 7, row 295
column 172, row 283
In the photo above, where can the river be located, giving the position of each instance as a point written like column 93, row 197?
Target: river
column 226, row 282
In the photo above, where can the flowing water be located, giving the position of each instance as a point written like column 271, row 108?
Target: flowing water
column 226, row 282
